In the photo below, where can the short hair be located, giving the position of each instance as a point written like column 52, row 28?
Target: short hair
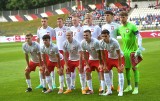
column 60, row 18
column 45, row 18
column 109, row 12
column 29, row 34
column 69, row 31
column 88, row 14
column 105, row 32
column 87, row 31
column 123, row 13
column 46, row 37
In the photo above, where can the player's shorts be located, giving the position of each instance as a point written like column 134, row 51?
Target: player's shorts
column 113, row 63
column 94, row 65
column 33, row 65
column 73, row 64
column 51, row 65
column 127, row 58
column 61, row 51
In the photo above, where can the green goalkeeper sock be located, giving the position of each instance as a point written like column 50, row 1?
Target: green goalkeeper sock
column 136, row 77
column 128, row 76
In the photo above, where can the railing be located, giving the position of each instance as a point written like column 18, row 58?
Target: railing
column 48, row 8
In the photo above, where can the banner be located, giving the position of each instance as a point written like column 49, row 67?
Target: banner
column 150, row 34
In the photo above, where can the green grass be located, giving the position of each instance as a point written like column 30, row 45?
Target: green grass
column 13, row 85
column 20, row 28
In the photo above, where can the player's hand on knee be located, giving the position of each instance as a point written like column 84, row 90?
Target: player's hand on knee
column 87, row 68
column 100, row 68
column 27, row 69
column 46, row 71
column 120, row 69
column 60, row 71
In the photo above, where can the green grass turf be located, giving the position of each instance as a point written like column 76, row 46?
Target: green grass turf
column 13, row 85
column 20, row 28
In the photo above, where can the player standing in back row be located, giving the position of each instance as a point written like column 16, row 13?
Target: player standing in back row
column 112, row 27
column 45, row 30
column 130, row 34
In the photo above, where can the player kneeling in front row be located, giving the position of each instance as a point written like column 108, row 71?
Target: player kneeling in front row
column 33, row 49
column 115, row 59
column 55, row 60
column 72, row 47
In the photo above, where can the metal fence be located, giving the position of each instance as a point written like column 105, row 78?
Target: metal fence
column 48, row 8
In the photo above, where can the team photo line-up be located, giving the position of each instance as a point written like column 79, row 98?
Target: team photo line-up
column 87, row 48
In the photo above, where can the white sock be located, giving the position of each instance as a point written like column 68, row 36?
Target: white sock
column 73, row 76
column 68, row 81
column 82, row 80
column 121, row 81
column 40, row 78
column 49, row 82
column 44, row 83
column 28, row 81
column 53, row 77
column 61, row 81
column 107, row 81
column 111, row 76
column 89, row 84
column 103, row 84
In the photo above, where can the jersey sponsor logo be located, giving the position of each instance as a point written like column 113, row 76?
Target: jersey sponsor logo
column 112, row 27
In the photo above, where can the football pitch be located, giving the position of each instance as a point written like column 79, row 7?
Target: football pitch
column 13, row 85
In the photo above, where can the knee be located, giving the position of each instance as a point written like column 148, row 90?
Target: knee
column 134, row 68
column 27, row 73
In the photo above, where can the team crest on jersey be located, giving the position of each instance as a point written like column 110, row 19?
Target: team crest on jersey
column 112, row 27
column 127, row 30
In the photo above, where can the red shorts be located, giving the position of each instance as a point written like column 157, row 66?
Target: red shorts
column 94, row 64
column 73, row 64
column 51, row 65
column 113, row 63
column 33, row 65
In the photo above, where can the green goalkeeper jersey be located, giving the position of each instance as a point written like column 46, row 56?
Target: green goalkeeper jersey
column 128, row 34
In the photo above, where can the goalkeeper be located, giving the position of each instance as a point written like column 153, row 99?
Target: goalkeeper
column 130, row 34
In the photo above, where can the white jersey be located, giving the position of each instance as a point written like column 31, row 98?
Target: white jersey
column 32, row 50
column 112, row 28
column 95, row 30
column 51, row 51
column 91, row 47
column 77, row 33
column 61, row 36
column 41, row 32
column 73, row 49
column 111, row 47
